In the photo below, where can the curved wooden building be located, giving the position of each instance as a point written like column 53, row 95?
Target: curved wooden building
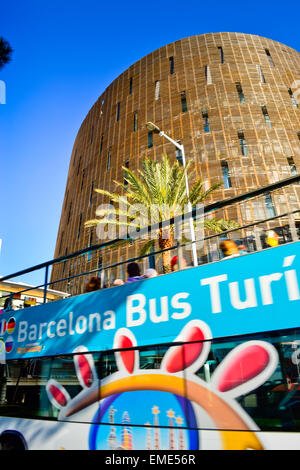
column 230, row 98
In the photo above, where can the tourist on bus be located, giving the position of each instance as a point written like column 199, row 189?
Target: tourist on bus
column 229, row 249
column 175, row 263
column 150, row 272
column 133, row 271
column 8, row 305
column 272, row 238
column 93, row 284
column 243, row 250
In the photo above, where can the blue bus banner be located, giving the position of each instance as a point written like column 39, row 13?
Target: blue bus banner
column 251, row 293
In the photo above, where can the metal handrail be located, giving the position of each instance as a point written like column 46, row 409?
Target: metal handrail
column 153, row 253
column 160, row 225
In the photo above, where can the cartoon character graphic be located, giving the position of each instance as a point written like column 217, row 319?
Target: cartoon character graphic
column 174, row 390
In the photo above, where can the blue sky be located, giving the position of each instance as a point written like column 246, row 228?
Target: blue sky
column 65, row 55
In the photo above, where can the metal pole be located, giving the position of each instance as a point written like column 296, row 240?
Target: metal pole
column 191, row 221
column 179, row 254
column 46, row 282
column 257, row 233
column 293, row 228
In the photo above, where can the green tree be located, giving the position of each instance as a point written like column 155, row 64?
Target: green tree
column 159, row 190
column 5, row 52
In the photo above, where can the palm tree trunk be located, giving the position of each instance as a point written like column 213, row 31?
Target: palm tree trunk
column 165, row 243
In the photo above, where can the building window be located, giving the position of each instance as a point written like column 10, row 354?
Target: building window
column 75, row 155
column 269, row 206
column 126, row 166
column 205, row 120
column 78, row 168
column 91, row 195
column 261, row 75
column 66, row 200
column 89, row 255
column 150, row 140
column 226, row 174
column 101, row 144
column 108, row 160
column 69, row 214
column 239, row 89
column 92, row 134
column 178, row 154
column 82, row 180
column 157, row 89
column 130, row 85
column 269, row 57
column 221, row 54
column 171, row 61
column 207, row 75
column 292, row 166
column 118, row 111
column 298, row 134
column 135, row 121
column 183, row 102
column 79, row 226
column 60, row 244
column 243, row 143
column 294, row 102
column 266, row 116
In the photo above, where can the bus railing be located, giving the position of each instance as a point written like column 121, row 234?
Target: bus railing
column 251, row 234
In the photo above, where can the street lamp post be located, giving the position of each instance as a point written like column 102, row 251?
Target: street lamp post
column 153, row 128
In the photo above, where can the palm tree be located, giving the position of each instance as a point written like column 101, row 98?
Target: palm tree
column 5, row 52
column 159, row 190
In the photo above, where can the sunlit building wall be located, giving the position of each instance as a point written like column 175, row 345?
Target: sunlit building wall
column 229, row 98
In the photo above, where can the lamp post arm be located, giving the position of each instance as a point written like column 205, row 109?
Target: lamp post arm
column 180, row 147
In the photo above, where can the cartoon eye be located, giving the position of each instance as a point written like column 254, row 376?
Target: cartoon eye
column 85, row 368
column 57, row 394
column 246, row 367
column 129, row 358
column 193, row 353
column 86, row 374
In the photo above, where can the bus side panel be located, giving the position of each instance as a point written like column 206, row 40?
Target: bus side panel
column 48, row 435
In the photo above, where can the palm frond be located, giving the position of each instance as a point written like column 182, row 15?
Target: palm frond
column 137, row 190
column 198, row 194
column 91, row 223
column 114, row 197
column 220, row 225
column 147, row 248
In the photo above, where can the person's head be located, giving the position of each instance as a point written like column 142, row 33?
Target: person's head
column 93, row 284
column 7, row 303
column 150, row 273
column 229, row 247
column 133, row 270
column 242, row 247
column 175, row 263
column 118, row 282
column 272, row 238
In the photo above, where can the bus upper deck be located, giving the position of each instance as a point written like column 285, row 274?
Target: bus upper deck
column 205, row 357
